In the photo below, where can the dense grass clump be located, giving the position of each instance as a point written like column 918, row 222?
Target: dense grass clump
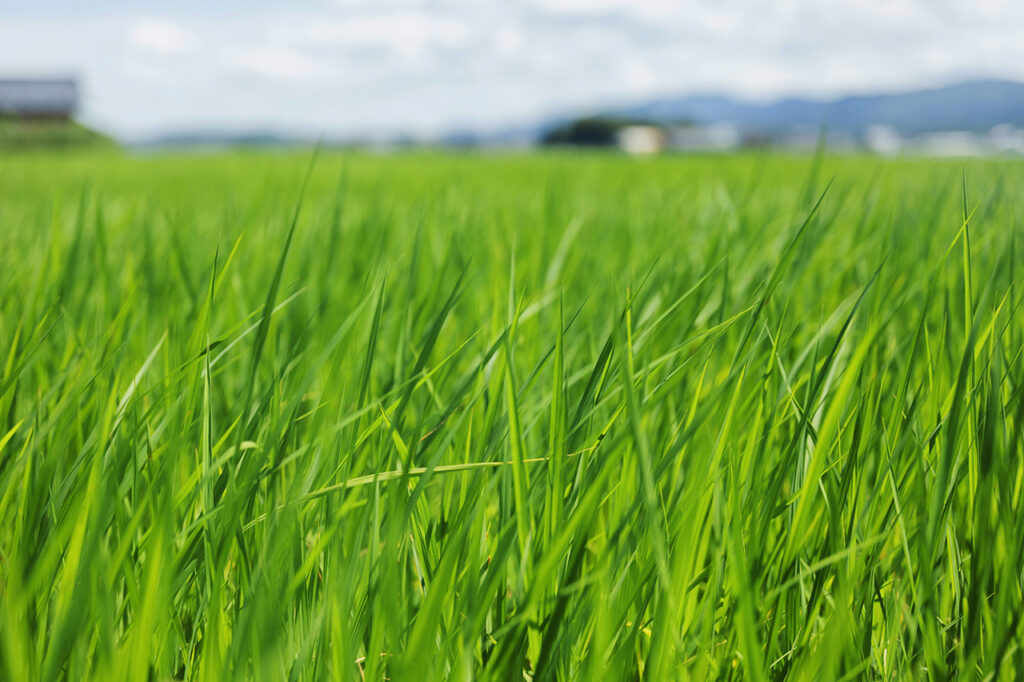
column 539, row 417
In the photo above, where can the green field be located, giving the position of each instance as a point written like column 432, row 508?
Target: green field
column 538, row 417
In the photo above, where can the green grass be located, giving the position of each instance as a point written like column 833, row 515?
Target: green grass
column 540, row 417
column 34, row 135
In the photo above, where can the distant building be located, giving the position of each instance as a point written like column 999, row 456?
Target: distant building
column 955, row 143
column 641, row 139
column 1006, row 138
column 26, row 98
column 883, row 140
column 716, row 137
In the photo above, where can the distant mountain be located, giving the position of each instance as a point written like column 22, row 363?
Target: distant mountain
column 49, row 133
column 974, row 106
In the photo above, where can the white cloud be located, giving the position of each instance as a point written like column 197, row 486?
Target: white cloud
column 508, row 41
column 161, row 36
column 277, row 62
column 346, row 65
column 648, row 8
column 405, row 31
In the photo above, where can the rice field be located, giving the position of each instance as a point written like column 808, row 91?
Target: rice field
column 535, row 417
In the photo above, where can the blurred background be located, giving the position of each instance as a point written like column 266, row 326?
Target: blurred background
column 930, row 77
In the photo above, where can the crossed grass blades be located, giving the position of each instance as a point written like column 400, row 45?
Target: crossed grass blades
column 535, row 417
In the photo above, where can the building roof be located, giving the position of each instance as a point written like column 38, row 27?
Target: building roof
column 28, row 96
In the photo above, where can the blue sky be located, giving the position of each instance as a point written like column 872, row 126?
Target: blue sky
column 379, row 66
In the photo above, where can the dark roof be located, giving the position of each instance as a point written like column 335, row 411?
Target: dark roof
column 38, row 96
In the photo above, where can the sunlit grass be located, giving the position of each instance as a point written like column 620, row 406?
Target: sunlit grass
column 537, row 417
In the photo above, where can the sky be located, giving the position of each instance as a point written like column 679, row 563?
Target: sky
column 343, row 67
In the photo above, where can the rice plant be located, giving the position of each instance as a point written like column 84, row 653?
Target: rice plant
column 542, row 417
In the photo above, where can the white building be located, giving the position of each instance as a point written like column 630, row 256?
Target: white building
column 1006, row 139
column 715, row 137
column 883, row 140
column 641, row 140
